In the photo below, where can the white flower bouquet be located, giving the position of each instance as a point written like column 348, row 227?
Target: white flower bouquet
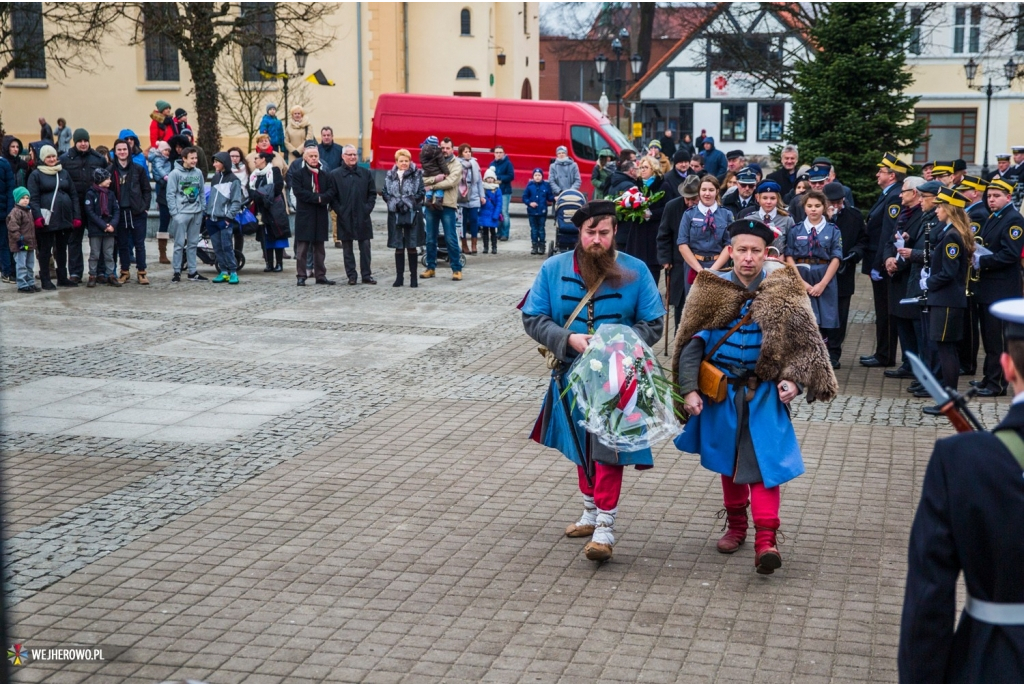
column 622, row 391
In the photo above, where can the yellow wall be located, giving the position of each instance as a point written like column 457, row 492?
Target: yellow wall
column 116, row 95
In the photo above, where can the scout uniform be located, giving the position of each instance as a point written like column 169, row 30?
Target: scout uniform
column 813, row 248
column 969, row 520
column 555, row 294
column 705, row 230
column 999, row 279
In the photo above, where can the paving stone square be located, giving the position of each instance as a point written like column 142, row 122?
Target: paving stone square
column 265, row 483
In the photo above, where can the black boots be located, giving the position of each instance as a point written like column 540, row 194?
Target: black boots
column 399, row 269
column 279, row 256
column 412, row 268
column 268, row 258
column 494, row 240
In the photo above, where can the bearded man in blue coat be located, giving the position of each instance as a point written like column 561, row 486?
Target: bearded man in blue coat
column 621, row 291
column 757, row 329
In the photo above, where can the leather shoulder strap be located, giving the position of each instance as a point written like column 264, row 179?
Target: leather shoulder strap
column 583, row 303
column 1014, row 443
column 742, row 322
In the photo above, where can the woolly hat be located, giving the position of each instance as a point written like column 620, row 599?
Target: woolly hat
column 47, row 151
column 561, row 148
column 538, row 170
column 20, row 192
column 187, row 132
column 490, row 173
column 270, row 107
column 161, row 105
column 431, row 140
column 100, row 175
column 79, row 135
column 680, row 156
column 162, row 145
column 179, row 113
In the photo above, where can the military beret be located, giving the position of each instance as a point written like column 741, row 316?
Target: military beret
column 592, row 210
column 959, row 165
column 930, row 188
column 769, row 187
column 751, row 227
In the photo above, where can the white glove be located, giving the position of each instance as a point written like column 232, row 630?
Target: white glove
column 875, row 276
column 977, row 261
column 925, row 273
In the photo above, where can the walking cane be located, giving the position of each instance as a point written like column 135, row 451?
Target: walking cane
column 668, row 289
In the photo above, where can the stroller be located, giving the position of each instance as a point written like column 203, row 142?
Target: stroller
column 206, row 254
column 442, row 244
column 566, row 233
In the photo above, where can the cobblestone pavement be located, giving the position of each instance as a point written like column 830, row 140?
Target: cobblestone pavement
column 266, row 483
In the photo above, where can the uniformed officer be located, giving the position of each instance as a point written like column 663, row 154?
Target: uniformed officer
column 908, row 233
column 973, row 188
column 704, row 232
column 881, row 223
column 959, row 171
column 741, row 198
column 943, row 173
column 918, row 256
column 1002, row 167
column 945, row 279
column 999, row 278
column 969, row 519
column 817, row 246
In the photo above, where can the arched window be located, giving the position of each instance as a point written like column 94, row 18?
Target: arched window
column 527, row 92
column 466, row 72
column 466, row 22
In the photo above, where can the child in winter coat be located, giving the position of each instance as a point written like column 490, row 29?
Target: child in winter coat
column 273, row 127
column 490, row 213
column 537, row 196
column 102, row 214
column 223, row 205
column 432, row 163
column 21, row 237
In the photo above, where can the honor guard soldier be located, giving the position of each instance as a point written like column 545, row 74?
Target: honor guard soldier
column 881, row 223
column 998, row 278
column 1016, row 172
column 1002, row 167
column 973, row 188
column 945, row 279
column 969, row 520
column 899, row 247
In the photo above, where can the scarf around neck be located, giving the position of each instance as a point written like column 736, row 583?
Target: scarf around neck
column 50, row 170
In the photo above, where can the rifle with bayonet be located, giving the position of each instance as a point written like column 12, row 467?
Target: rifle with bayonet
column 952, row 404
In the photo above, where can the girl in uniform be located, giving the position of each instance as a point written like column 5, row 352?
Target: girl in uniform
column 703, row 232
column 945, row 279
column 817, row 247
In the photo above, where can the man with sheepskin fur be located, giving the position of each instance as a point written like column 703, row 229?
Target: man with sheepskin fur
column 774, row 354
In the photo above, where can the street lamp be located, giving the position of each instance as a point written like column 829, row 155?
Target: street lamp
column 270, row 62
column 600, row 64
column 971, row 71
column 617, row 49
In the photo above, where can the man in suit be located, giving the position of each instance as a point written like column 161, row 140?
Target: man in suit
column 855, row 241
column 881, row 223
column 969, row 521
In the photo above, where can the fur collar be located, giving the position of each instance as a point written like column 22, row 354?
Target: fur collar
column 792, row 348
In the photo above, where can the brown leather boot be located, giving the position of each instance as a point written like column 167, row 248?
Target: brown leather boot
column 161, row 245
column 735, row 529
column 473, row 246
column 124, row 277
column 142, row 277
column 767, row 557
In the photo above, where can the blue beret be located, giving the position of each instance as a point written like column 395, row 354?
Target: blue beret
column 769, row 187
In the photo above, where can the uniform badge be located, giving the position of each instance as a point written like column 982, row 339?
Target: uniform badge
column 1015, row 232
column 894, row 211
column 974, row 227
column 952, row 251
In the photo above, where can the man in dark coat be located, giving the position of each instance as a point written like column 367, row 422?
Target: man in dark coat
column 881, row 222
column 80, row 161
column 668, row 253
column 621, row 180
column 676, row 175
column 7, row 185
column 910, row 227
column 969, row 521
column 355, row 195
column 314, row 192
column 786, row 175
column 668, row 144
column 850, row 222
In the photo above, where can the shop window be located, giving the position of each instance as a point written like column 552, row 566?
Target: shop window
column 770, row 121
column 734, row 122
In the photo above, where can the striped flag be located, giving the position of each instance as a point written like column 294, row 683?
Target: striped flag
column 319, row 79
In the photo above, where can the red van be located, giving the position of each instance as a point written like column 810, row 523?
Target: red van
column 529, row 130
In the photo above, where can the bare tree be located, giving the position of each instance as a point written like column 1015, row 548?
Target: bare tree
column 202, row 31
column 242, row 99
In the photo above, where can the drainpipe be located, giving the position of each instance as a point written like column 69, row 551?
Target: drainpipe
column 359, row 68
column 405, row 41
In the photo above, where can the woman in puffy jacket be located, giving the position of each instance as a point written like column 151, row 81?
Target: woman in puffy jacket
column 56, row 211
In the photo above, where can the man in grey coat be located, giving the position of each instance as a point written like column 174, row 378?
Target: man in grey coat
column 354, row 199
column 563, row 173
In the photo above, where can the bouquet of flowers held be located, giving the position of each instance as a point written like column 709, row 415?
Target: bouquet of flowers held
column 635, row 203
column 621, row 389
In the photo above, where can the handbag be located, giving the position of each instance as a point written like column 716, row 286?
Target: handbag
column 711, row 380
column 549, row 357
column 48, row 213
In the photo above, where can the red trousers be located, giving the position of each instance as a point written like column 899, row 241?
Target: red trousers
column 764, row 502
column 607, row 485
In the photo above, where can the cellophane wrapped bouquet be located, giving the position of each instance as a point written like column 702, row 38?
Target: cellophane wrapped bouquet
column 635, row 203
column 622, row 391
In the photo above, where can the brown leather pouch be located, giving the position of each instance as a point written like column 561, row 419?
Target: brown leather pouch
column 711, row 380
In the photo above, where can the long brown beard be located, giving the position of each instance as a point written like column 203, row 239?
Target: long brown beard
column 594, row 265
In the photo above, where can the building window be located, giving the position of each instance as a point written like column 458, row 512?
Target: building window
column 29, row 43
column 466, row 72
column 951, row 134
column 263, row 31
column 161, row 55
column 667, row 116
column 916, row 17
column 734, row 122
column 466, row 22
column 967, row 28
column 770, row 121
column 526, row 93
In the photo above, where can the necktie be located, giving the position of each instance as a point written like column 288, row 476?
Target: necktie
column 814, row 237
column 709, row 223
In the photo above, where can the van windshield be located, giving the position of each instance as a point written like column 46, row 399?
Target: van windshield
column 617, row 136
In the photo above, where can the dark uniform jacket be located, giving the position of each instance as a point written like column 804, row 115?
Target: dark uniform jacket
column 929, row 227
column 947, row 283
column 734, row 203
column 668, row 251
column 312, row 202
column 855, row 242
column 911, row 223
column 969, row 520
column 881, row 223
column 785, row 179
column 978, row 214
column 1003, row 233
column 355, row 195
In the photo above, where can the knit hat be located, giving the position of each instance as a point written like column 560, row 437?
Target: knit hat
column 538, row 170
column 179, row 113
column 187, row 132
column 271, row 106
column 561, row 148
column 79, row 135
column 47, row 151
column 490, row 173
column 431, row 140
column 20, row 192
column 161, row 105
column 680, row 156
column 162, row 145
column 100, row 175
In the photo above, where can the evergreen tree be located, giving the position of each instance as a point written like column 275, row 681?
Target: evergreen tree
column 848, row 103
